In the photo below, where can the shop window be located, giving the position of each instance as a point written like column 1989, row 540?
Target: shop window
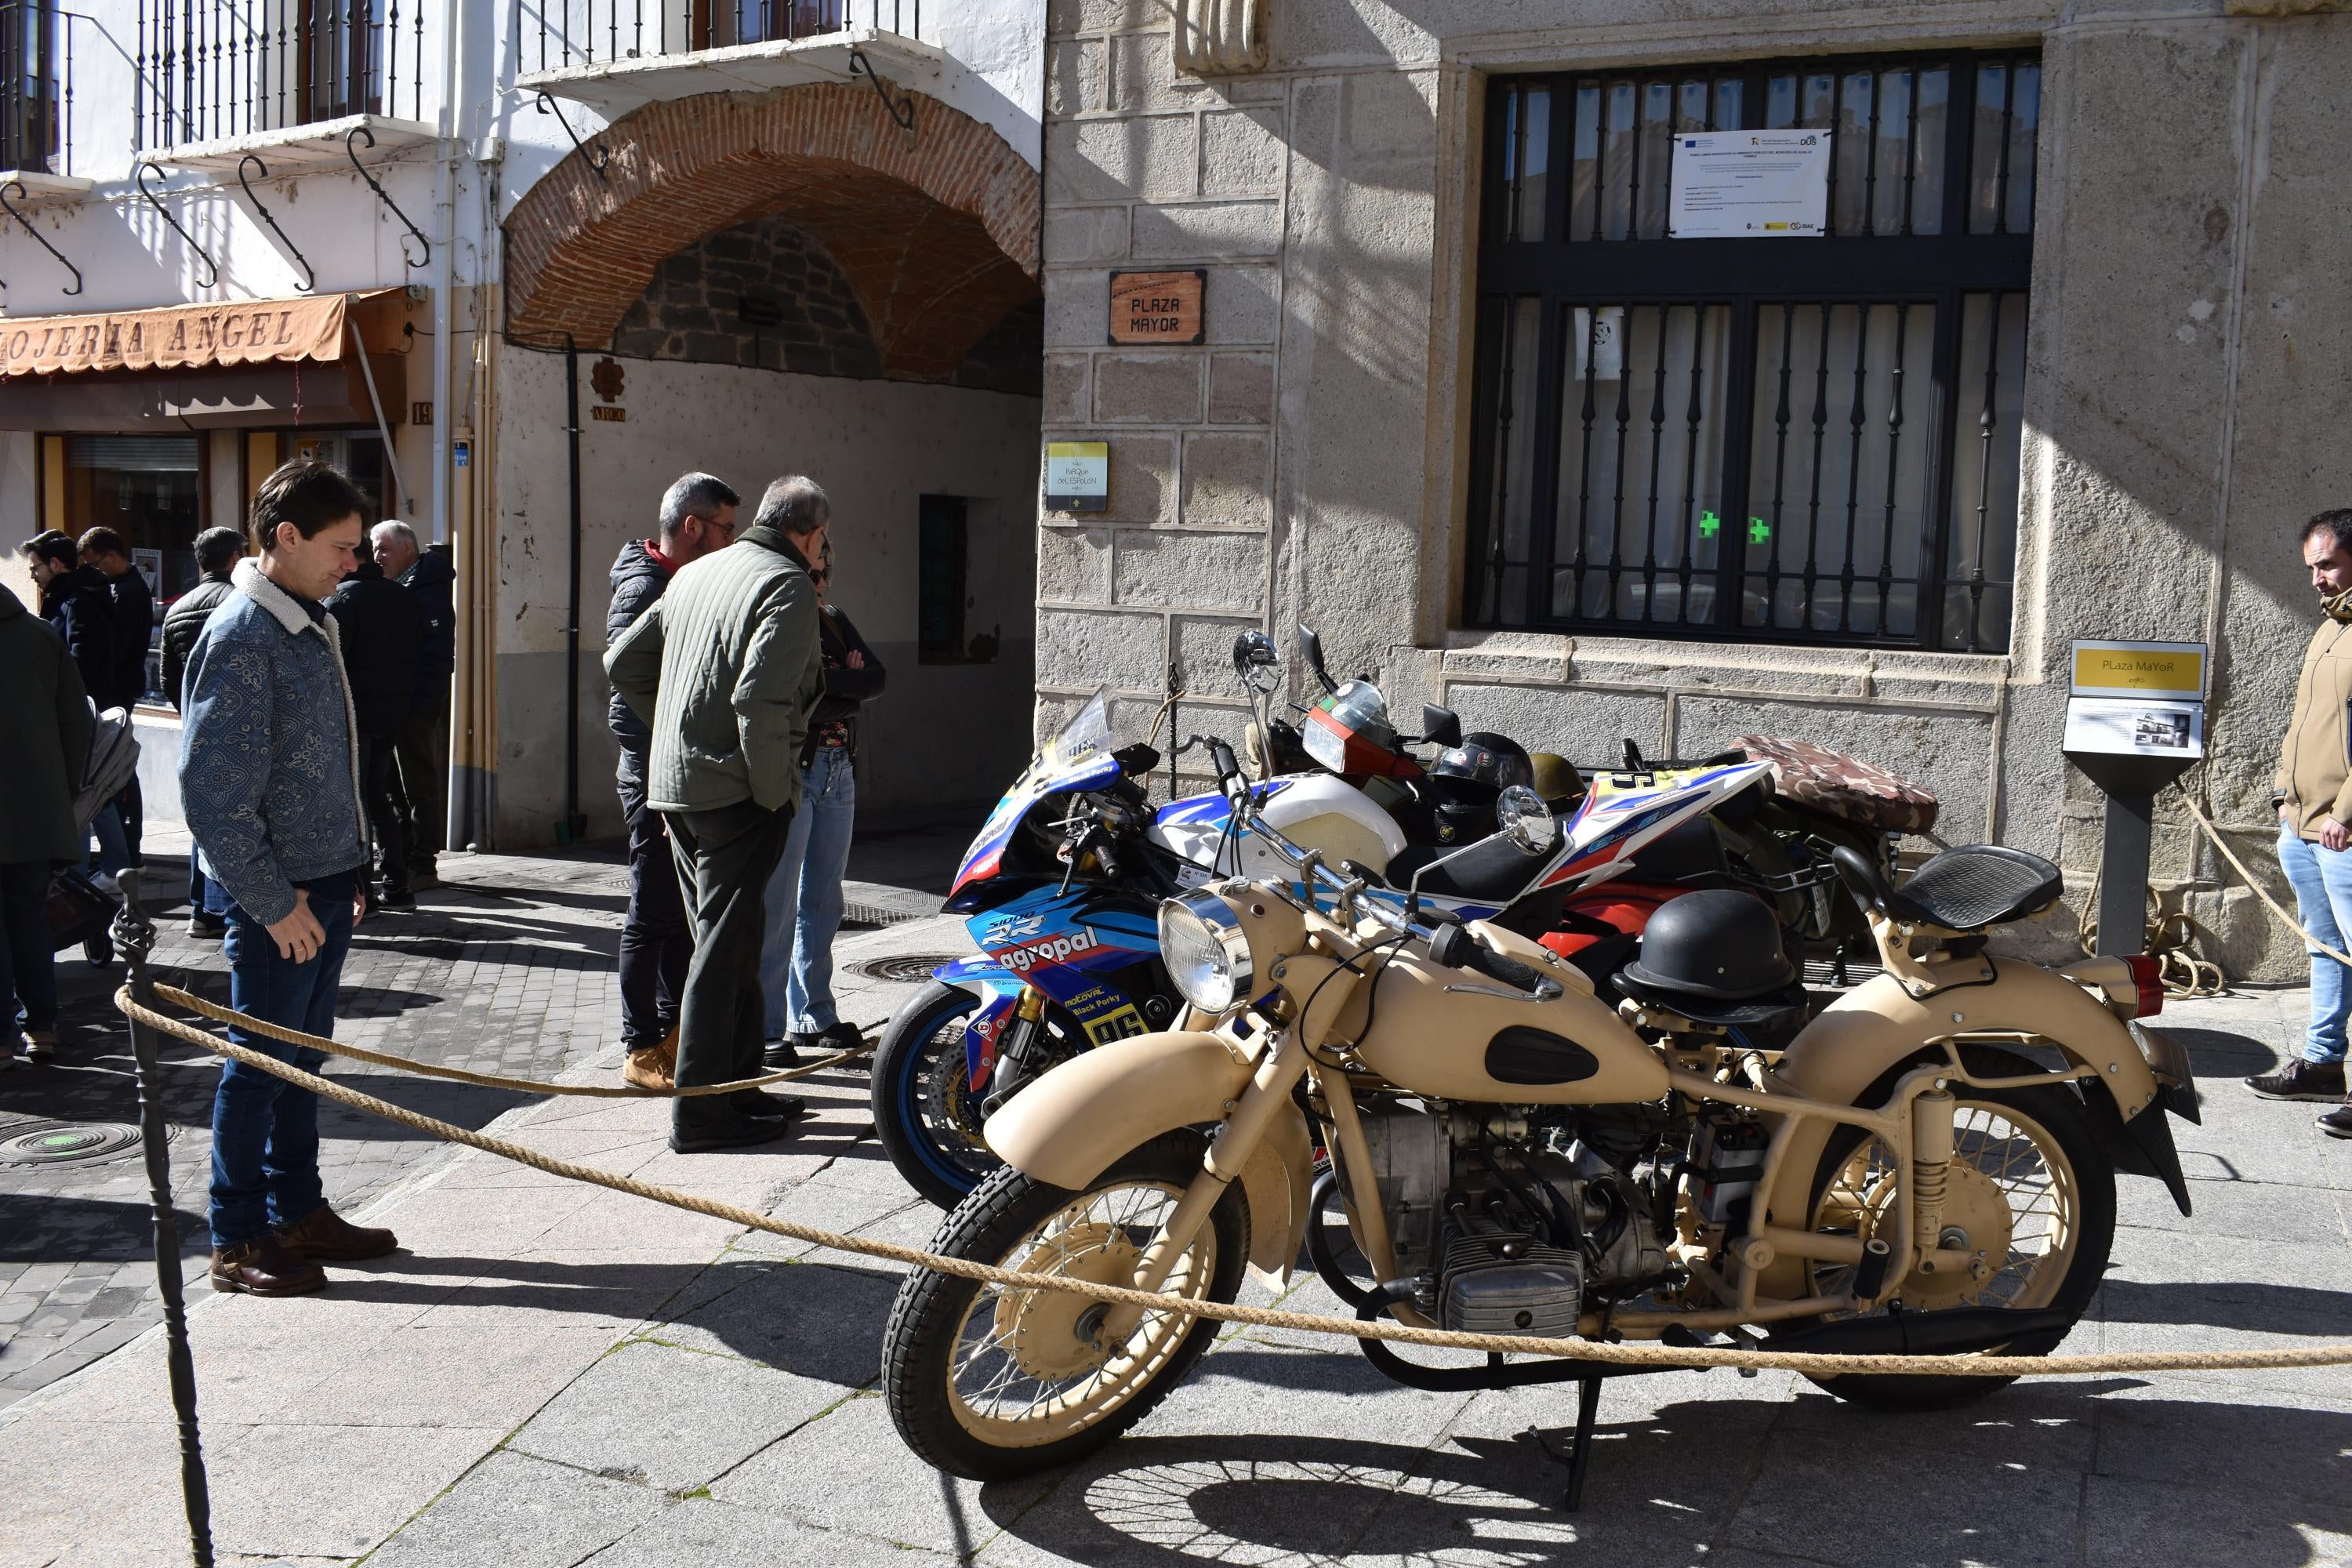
column 1783, row 439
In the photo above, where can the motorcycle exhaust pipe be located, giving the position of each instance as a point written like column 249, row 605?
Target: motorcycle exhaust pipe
column 1959, row 1332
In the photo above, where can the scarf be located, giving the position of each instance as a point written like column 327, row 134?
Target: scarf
column 2339, row 606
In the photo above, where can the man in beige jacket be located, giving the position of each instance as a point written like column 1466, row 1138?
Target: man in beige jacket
column 2314, row 791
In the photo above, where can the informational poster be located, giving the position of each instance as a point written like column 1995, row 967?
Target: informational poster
column 1078, row 476
column 150, row 565
column 1749, row 184
column 2135, row 727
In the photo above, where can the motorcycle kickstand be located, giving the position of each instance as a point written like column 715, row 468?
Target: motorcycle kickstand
column 1579, row 1448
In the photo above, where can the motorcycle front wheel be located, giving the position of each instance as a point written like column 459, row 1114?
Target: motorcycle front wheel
column 990, row 1383
column 2029, row 1186
column 925, row 1115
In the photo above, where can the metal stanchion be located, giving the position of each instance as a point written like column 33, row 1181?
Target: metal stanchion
column 134, row 936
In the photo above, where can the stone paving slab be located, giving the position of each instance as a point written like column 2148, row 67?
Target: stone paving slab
column 562, row 1375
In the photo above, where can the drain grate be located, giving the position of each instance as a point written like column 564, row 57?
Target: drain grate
column 66, row 1142
column 854, row 912
column 903, row 968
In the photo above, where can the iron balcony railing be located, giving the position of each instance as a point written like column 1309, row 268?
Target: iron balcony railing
column 36, row 53
column 211, row 68
column 551, row 34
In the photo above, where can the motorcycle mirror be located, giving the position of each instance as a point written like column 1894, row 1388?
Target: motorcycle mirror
column 1311, row 646
column 1440, row 726
column 1525, row 820
column 1633, row 763
column 1137, row 760
column 1255, row 660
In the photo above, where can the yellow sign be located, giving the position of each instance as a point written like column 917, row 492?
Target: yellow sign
column 2173, row 669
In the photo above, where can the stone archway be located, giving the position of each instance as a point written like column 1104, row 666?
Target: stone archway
column 937, row 236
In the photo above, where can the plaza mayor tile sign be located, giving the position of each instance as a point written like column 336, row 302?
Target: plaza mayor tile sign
column 243, row 331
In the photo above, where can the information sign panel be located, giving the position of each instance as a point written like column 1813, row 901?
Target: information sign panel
column 1748, row 185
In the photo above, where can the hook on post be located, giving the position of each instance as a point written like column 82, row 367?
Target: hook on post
column 386, row 198
column 26, row 224
column 598, row 160
column 163, row 212
column 309, row 276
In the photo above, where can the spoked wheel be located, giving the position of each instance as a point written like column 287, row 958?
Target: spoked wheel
column 2030, row 1194
column 992, row 1382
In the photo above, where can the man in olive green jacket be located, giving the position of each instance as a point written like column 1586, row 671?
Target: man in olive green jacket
column 725, row 669
column 2314, row 791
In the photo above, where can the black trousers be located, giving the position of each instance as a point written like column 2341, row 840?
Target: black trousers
column 656, row 943
column 724, row 860
column 423, row 746
column 380, row 795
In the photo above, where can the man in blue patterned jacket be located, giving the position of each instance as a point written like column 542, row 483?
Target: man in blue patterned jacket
column 270, row 784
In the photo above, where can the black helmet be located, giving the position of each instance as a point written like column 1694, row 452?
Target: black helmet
column 1716, row 956
column 1465, row 779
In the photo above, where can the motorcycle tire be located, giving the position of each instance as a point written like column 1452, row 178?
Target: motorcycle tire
column 2058, row 1114
column 1001, row 1223
column 922, row 1041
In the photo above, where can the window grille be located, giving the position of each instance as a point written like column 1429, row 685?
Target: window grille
column 1770, row 438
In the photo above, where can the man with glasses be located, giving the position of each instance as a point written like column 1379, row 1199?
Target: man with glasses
column 697, row 516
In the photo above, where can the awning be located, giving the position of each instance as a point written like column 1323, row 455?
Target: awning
column 178, row 337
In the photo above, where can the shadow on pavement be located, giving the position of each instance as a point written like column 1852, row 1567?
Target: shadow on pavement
column 2216, row 1053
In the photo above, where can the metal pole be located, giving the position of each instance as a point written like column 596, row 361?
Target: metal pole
column 134, row 934
column 575, row 825
column 2123, row 876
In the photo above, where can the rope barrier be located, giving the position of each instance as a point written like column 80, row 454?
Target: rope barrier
column 220, row 1015
column 2213, row 834
column 1811, row 1364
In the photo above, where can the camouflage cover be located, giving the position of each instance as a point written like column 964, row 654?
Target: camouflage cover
column 1841, row 785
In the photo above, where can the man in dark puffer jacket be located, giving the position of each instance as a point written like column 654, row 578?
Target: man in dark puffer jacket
column 380, row 627
column 697, row 516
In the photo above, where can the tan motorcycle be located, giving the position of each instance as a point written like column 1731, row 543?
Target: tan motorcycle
column 1927, row 1167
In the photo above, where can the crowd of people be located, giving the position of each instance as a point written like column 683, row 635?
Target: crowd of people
column 312, row 680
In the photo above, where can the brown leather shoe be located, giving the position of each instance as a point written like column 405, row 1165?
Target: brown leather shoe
column 262, row 1267
column 325, row 1236
column 655, row 1067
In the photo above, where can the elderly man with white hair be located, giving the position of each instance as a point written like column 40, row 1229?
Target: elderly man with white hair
column 421, row 747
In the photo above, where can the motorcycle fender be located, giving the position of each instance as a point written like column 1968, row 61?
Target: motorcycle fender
column 1071, row 1124
column 1857, row 1038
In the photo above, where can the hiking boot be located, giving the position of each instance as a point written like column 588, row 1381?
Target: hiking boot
column 655, row 1067
column 2337, row 1123
column 325, row 1236
column 767, row 1107
column 261, row 1266
column 2300, row 1080
column 731, row 1129
column 40, row 1046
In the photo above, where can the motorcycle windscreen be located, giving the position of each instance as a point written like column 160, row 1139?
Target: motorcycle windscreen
column 1075, row 756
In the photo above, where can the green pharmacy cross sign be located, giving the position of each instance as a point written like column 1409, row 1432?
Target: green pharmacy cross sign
column 1710, row 525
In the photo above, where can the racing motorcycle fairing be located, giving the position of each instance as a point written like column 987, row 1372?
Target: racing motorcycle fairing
column 1621, row 812
column 1077, row 756
column 1078, row 948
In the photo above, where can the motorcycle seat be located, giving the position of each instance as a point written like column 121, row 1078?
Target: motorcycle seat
column 1965, row 888
column 1495, row 871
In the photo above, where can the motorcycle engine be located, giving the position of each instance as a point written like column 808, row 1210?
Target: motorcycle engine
column 1509, row 1228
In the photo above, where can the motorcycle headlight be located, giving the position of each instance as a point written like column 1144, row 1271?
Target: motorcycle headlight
column 1206, row 951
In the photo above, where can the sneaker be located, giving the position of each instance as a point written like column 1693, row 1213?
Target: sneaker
column 2337, row 1123
column 397, row 896
column 262, row 1267
column 837, row 1037
column 106, row 883
column 40, row 1044
column 204, row 926
column 655, row 1067
column 2301, row 1079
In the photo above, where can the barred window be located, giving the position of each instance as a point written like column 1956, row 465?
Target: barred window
column 1773, row 439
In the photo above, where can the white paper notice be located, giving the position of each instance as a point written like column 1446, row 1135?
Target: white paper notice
column 1749, row 184
column 2140, row 727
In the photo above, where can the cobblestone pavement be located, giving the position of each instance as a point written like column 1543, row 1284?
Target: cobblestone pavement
column 508, row 968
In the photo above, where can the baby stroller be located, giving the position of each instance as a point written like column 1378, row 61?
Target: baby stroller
column 80, row 912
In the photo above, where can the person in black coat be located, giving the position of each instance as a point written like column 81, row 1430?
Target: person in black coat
column 48, row 723
column 217, row 550
column 426, row 577
column 103, row 551
column 78, row 601
column 378, row 626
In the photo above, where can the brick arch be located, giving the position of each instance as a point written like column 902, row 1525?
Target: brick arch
column 938, row 238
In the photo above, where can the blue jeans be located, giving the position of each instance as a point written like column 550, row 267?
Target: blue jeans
column 2322, row 879
column 804, row 900
column 113, row 853
column 265, row 1131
